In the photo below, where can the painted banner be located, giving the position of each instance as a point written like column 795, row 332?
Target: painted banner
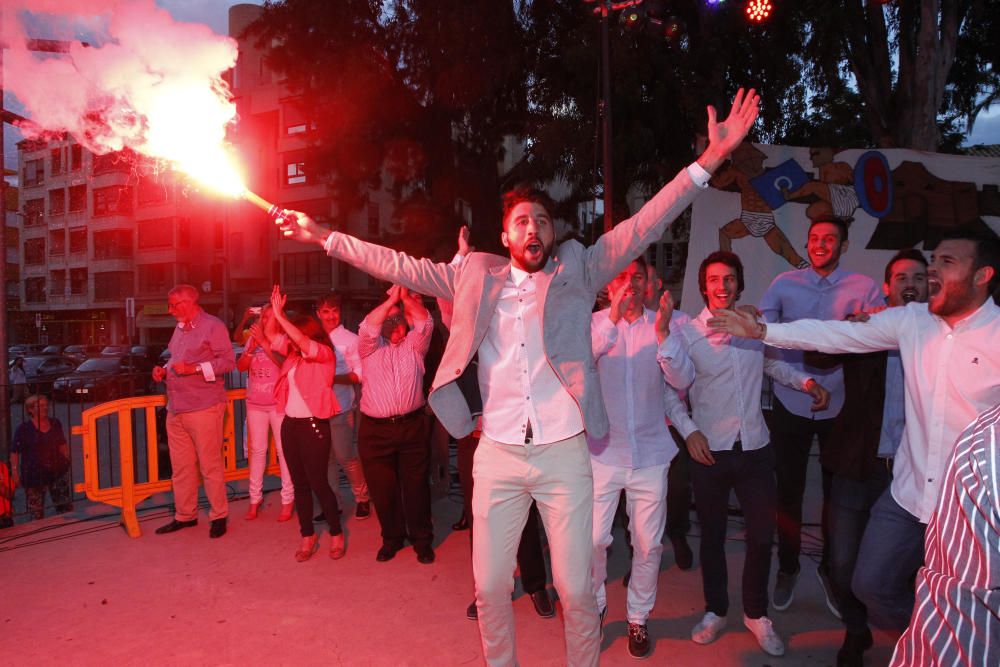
column 760, row 202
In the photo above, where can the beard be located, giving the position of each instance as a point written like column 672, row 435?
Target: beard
column 529, row 261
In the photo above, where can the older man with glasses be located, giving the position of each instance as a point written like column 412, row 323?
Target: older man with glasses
column 200, row 356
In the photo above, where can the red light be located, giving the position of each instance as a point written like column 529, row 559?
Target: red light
column 759, row 10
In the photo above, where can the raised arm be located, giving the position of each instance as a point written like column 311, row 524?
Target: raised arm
column 677, row 367
column 422, row 275
column 615, row 249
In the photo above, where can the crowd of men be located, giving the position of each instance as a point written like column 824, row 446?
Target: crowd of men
column 560, row 410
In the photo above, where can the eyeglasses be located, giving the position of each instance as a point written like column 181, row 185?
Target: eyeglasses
column 174, row 304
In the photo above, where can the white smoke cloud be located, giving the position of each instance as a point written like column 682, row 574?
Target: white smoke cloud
column 140, row 63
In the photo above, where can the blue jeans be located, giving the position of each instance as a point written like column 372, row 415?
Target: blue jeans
column 891, row 552
column 851, row 503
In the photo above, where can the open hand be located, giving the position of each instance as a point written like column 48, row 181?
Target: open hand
column 663, row 314
column 278, row 301
column 464, row 247
column 734, row 323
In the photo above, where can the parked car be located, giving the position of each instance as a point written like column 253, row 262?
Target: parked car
column 41, row 370
column 112, row 350
column 24, row 349
column 107, row 377
column 151, row 352
column 54, row 349
column 82, row 352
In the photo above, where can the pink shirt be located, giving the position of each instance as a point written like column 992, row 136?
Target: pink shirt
column 314, row 373
column 261, row 381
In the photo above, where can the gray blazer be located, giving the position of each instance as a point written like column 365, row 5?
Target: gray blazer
column 567, row 286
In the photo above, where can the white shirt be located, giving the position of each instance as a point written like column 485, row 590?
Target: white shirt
column 517, row 383
column 950, row 376
column 345, row 347
column 632, row 366
column 804, row 294
column 394, row 374
column 725, row 395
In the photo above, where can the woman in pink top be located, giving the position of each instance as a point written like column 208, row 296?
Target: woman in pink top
column 263, row 366
column 304, row 394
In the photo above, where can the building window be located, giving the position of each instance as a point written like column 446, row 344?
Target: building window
column 13, row 239
column 34, row 172
column 114, row 200
column 153, row 191
column 308, row 268
column 34, row 251
column 34, row 290
column 374, row 228
column 57, row 201
column 78, row 240
column 76, row 157
column 57, row 242
column 113, row 244
column 77, row 198
column 56, row 160
column 112, row 285
column 155, row 278
column 112, row 162
column 295, row 173
column 156, row 234
column 34, row 212
column 78, row 281
column 57, row 283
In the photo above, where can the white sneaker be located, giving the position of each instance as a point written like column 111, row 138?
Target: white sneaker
column 765, row 634
column 708, row 628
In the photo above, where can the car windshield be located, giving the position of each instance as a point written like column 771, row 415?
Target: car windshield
column 31, row 364
column 105, row 364
column 53, row 349
column 76, row 348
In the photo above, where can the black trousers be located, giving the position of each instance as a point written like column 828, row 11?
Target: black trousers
column 306, row 444
column 530, row 557
column 792, row 437
column 751, row 476
column 396, row 460
column 679, row 490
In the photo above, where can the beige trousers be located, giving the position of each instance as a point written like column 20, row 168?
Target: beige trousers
column 558, row 477
column 195, row 440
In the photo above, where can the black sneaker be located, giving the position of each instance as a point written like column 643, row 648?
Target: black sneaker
column 363, row 510
column 638, row 640
column 852, row 652
column 472, row 612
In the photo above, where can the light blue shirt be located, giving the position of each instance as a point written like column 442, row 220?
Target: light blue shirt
column 804, row 294
column 893, row 417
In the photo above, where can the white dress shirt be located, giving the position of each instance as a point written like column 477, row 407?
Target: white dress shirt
column 345, row 347
column 950, row 376
column 804, row 294
column 725, row 395
column 517, row 383
column 632, row 366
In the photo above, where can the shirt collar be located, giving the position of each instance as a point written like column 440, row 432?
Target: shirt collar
column 518, row 275
column 833, row 278
column 984, row 313
column 193, row 324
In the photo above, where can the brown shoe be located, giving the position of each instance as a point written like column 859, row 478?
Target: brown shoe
column 337, row 546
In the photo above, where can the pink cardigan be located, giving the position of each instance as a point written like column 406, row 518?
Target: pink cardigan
column 313, row 377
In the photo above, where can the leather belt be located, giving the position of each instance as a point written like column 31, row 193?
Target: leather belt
column 395, row 419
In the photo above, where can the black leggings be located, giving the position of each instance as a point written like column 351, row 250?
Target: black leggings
column 306, row 443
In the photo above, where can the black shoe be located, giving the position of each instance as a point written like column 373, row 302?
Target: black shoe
column 218, row 528
column 638, row 640
column 319, row 518
column 387, row 552
column 472, row 612
column 543, row 604
column 175, row 525
column 683, row 556
column 425, row 554
column 363, row 510
column 851, row 654
column 461, row 524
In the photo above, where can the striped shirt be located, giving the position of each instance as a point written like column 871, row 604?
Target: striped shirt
column 956, row 618
column 392, row 376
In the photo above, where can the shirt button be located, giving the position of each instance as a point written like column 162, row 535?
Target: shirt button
column 930, row 479
column 458, row 371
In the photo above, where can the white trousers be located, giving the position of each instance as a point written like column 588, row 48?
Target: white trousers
column 258, row 422
column 646, row 505
column 558, row 477
column 344, row 451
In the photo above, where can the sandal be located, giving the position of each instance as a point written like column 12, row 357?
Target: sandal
column 309, row 546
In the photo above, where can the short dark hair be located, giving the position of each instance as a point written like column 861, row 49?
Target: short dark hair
column 332, row 299
column 522, row 193
column 839, row 223
column 905, row 253
column 987, row 251
column 730, row 259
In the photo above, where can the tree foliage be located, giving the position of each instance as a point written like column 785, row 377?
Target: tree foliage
column 424, row 91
